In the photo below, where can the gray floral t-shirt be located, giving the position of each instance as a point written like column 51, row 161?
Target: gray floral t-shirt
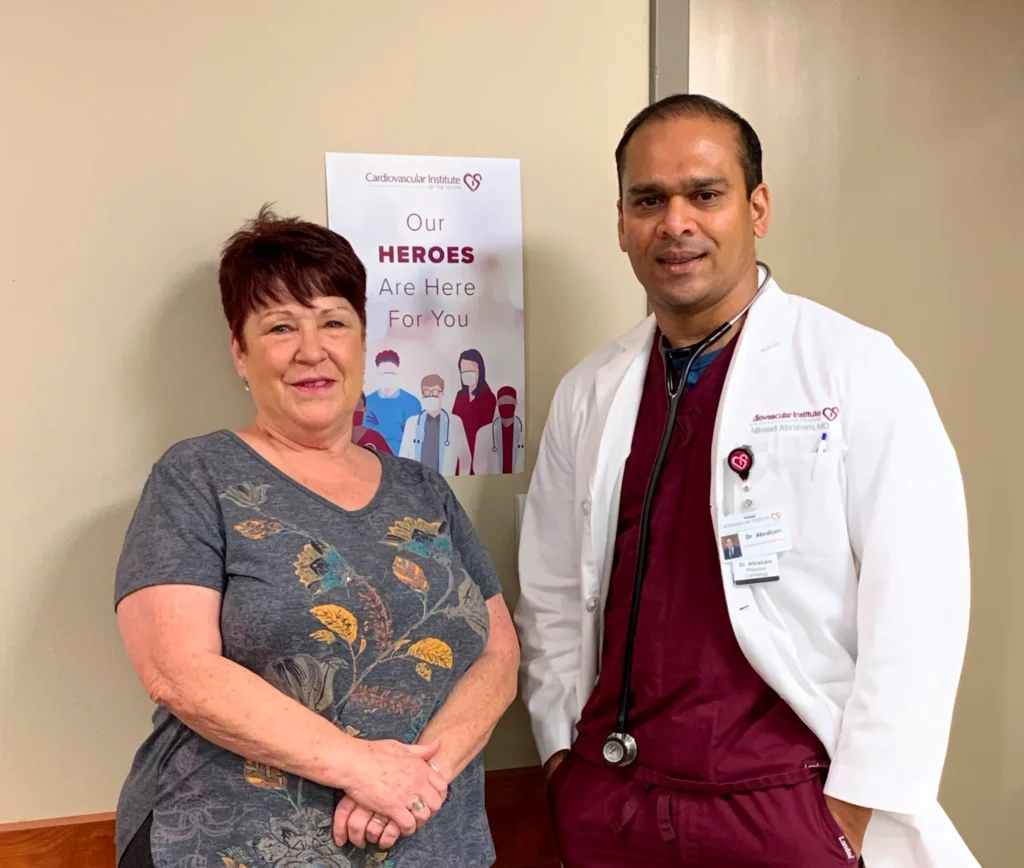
column 367, row 617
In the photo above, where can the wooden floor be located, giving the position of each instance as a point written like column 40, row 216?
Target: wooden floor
column 516, row 809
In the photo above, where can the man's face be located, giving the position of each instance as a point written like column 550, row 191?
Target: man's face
column 685, row 219
column 432, row 397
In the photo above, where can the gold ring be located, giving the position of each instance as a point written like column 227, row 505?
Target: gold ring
column 378, row 820
column 418, row 805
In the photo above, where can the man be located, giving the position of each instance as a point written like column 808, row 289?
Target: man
column 500, row 446
column 436, row 437
column 388, row 408
column 731, row 548
column 791, row 708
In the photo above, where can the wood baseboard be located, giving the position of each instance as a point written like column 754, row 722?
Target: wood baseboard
column 70, row 842
column 517, row 809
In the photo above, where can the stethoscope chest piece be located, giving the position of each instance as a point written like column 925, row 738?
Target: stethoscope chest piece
column 619, row 749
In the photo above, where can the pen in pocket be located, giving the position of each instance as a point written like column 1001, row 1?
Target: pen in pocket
column 822, row 446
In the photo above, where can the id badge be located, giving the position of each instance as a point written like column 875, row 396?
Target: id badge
column 754, row 571
column 746, row 534
column 750, row 542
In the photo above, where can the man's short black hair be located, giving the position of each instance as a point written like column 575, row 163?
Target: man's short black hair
column 689, row 105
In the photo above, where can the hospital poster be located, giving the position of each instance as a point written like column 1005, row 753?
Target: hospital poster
column 441, row 239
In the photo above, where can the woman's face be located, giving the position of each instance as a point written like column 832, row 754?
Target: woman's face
column 470, row 372
column 304, row 365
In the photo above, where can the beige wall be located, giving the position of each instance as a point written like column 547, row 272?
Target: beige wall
column 893, row 138
column 134, row 138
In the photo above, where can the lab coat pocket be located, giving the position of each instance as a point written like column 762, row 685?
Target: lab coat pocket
column 808, row 489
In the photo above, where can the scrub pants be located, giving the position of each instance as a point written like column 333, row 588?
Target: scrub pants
column 605, row 818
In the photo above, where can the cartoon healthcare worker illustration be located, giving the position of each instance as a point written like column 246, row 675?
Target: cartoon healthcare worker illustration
column 501, row 446
column 389, row 407
column 436, row 437
column 475, row 402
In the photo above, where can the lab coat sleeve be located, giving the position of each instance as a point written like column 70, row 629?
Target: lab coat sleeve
column 907, row 521
column 408, row 448
column 549, row 612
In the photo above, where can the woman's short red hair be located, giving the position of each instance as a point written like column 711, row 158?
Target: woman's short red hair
column 274, row 259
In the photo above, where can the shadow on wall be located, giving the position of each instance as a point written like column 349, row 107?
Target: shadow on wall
column 187, row 385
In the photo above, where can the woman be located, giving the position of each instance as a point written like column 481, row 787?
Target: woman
column 364, row 436
column 475, row 402
column 319, row 625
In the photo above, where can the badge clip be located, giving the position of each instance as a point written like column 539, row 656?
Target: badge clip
column 741, row 462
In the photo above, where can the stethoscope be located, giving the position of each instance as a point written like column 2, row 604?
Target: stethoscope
column 495, row 428
column 419, row 427
column 620, row 747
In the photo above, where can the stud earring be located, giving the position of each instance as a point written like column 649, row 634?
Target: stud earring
column 245, row 383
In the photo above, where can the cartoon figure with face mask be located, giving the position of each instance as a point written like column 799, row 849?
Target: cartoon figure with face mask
column 362, row 434
column 501, row 447
column 475, row 402
column 436, row 437
column 388, row 409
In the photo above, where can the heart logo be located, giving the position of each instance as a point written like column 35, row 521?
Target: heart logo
column 830, row 413
column 472, row 181
column 776, row 516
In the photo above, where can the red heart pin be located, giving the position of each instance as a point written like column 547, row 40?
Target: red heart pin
column 472, row 181
column 776, row 516
column 830, row 413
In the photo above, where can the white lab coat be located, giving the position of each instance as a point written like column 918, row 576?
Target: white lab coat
column 454, row 455
column 488, row 449
column 864, row 635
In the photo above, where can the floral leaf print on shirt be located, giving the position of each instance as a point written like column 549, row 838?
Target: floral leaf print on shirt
column 189, row 818
column 410, row 574
column 258, row 528
column 424, row 671
column 338, row 619
column 378, row 618
column 432, row 651
column 234, row 857
column 374, row 699
column 264, row 777
column 304, row 839
column 321, row 564
column 420, row 537
column 305, row 679
column 247, row 495
column 472, row 608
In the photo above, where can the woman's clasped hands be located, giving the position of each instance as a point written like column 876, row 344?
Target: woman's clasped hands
column 392, row 790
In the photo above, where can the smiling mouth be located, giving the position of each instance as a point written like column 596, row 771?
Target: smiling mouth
column 679, row 258
column 314, row 384
column 680, row 263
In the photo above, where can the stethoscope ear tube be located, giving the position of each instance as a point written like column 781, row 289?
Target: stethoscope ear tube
column 620, row 748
